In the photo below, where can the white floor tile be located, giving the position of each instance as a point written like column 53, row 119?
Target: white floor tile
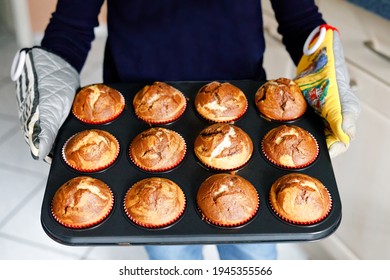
column 16, row 153
column 117, row 253
column 15, row 188
column 14, row 250
column 26, row 225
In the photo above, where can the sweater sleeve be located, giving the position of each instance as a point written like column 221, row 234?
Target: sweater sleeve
column 71, row 30
column 296, row 19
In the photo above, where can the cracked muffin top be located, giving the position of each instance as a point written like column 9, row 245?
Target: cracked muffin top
column 220, row 102
column 98, row 104
column 300, row 198
column 159, row 103
column 91, row 150
column 223, row 146
column 290, row 146
column 154, row 202
column 227, row 200
column 82, row 202
column 280, row 100
column 157, row 149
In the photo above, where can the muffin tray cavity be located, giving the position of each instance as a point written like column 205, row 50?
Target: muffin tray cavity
column 117, row 229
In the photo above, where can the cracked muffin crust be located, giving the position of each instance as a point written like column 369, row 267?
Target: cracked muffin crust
column 154, row 202
column 157, row 149
column 290, row 146
column 223, row 146
column 280, row 100
column 220, row 102
column 98, row 104
column 300, row 199
column 82, row 202
column 159, row 103
column 91, row 150
column 227, row 200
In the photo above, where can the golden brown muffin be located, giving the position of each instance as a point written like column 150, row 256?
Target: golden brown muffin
column 159, row 103
column 98, row 104
column 290, row 146
column 154, row 202
column 157, row 149
column 223, row 146
column 299, row 198
column 82, row 202
column 220, row 102
column 227, row 200
column 91, row 150
column 280, row 100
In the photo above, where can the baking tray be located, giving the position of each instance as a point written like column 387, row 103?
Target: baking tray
column 117, row 229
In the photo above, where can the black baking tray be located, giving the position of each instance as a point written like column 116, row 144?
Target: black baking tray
column 117, row 229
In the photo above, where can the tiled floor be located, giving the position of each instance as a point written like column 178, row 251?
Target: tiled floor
column 23, row 182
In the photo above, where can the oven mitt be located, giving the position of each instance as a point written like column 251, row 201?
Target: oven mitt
column 45, row 88
column 323, row 78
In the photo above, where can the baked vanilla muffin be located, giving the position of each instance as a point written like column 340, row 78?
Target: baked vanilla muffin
column 91, row 150
column 290, row 146
column 157, row 149
column 98, row 104
column 154, row 202
column 82, row 202
column 220, row 102
column 300, row 199
column 223, row 146
column 280, row 100
column 227, row 200
column 159, row 103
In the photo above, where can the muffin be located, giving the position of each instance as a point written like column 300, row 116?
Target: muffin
column 159, row 103
column 290, row 146
column 220, row 102
column 91, row 150
column 98, row 104
column 223, row 146
column 300, row 199
column 82, row 202
column 157, row 149
column 227, row 200
column 280, row 100
column 154, row 202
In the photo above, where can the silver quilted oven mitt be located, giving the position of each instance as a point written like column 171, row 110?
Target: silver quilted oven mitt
column 45, row 88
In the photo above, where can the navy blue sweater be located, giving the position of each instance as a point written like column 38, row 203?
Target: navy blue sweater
column 173, row 40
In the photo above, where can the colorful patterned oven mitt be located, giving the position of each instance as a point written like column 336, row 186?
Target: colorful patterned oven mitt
column 45, row 88
column 323, row 78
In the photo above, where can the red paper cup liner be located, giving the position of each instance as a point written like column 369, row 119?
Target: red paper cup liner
column 161, row 169
column 90, row 170
column 85, row 225
column 103, row 121
column 237, row 167
column 154, row 226
column 303, row 222
column 298, row 166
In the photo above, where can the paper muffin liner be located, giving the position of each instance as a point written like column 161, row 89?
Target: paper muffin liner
column 163, row 169
column 156, row 226
column 303, row 222
column 105, row 121
column 299, row 166
column 89, row 225
column 232, row 225
column 167, row 121
column 89, row 170
column 231, row 120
